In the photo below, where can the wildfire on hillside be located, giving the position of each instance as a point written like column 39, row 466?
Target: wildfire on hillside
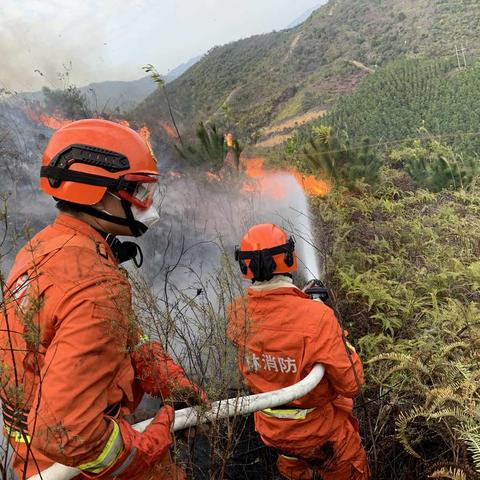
column 145, row 133
column 57, row 121
column 229, row 139
column 273, row 181
column 214, row 176
column 169, row 130
column 50, row 121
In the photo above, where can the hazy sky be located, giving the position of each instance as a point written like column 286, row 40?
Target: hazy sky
column 112, row 39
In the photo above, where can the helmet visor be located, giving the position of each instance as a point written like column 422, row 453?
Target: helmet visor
column 145, row 192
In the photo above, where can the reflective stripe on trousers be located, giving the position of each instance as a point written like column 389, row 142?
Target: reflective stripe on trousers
column 288, row 413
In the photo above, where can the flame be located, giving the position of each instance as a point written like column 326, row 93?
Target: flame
column 273, row 182
column 145, row 133
column 58, row 121
column 229, row 139
column 169, row 130
column 254, row 167
column 311, row 184
column 50, row 121
column 214, row 177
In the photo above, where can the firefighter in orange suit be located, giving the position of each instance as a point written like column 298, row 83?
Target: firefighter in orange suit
column 74, row 362
column 281, row 334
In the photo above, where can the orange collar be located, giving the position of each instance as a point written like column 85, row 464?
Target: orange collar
column 66, row 223
column 277, row 291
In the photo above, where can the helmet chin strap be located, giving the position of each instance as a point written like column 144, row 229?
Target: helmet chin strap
column 137, row 228
column 123, row 251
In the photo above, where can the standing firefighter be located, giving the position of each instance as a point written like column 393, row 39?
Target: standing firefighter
column 74, row 362
column 281, row 334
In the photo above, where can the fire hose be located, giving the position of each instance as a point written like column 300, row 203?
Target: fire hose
column 189, row 417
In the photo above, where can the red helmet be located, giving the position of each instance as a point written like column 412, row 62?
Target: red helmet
column 85, row 158
column 264, row 251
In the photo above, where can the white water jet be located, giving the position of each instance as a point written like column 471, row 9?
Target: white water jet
column 284, row 202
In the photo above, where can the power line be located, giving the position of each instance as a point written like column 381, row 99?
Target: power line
column 399, row 141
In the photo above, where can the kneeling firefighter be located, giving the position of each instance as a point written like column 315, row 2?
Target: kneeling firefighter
column 281, row 333
column 74, row 361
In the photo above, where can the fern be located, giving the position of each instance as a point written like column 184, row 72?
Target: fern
column 473, row 443
column 470, row 432
column 451, row 473
column 402, row 424
column 410, row 256
column 456, row 413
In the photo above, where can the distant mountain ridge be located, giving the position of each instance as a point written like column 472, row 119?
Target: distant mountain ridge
column 266, row 79
column 304, row 16
column 120, row 95
column 181, row 69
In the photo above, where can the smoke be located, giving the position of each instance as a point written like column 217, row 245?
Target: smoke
column 203, row 217
column 112, row 39
column 41, row 42
column 21, row 147
column 203, row 220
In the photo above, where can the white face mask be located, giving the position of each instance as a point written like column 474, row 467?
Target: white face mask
column 148, row 217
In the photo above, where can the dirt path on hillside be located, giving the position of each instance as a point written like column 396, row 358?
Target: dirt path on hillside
column 279, row 133
column 292, row 47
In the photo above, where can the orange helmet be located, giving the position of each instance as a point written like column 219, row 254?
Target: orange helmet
column 264, row 251
column 85, row 158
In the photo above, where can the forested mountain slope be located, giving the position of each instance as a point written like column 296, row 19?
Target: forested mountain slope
column 268, row 78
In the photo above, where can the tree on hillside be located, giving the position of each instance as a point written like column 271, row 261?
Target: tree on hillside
column 210, row 150
column 391, row 105
column 343, row 164
column 69, row 103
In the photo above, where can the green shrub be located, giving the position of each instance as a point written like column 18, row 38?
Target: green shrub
column 333, row 156
column 404, row 266
column 435, row 166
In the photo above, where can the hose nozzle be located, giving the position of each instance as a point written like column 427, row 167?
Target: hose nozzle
column 317, row 290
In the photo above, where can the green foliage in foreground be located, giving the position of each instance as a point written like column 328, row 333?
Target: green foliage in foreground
column 405, row 269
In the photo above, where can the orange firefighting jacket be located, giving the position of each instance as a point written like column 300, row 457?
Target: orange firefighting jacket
column 66, row 333
column 280, row 334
